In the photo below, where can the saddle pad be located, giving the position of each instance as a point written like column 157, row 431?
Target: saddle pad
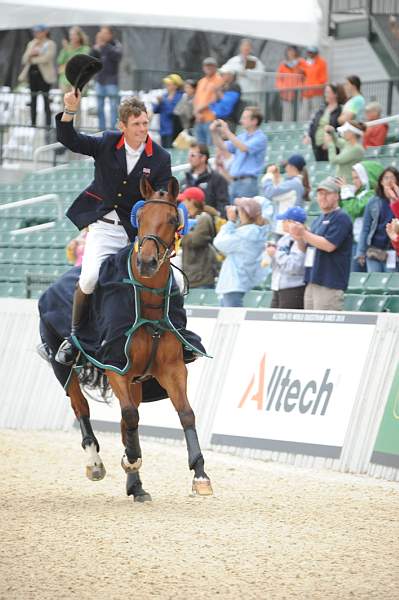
column 104, row 337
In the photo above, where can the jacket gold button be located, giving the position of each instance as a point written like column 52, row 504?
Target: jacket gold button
column 124, row 182
column 115, row 206
column 119, row 195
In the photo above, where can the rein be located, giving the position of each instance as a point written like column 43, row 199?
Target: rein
column 155, row 327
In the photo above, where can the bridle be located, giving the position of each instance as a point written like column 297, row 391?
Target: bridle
column 159, row 242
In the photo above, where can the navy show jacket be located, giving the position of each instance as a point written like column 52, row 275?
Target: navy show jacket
column 112, row 188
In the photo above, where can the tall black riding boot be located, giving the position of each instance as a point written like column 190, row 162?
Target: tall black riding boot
column 68, row 352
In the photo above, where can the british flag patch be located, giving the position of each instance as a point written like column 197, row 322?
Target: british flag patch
column 146, row 171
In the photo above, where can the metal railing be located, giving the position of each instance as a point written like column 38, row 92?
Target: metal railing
column 384, row 7
column 348, row 6
column 36, row 200
column 21, row 143
column 372, row 7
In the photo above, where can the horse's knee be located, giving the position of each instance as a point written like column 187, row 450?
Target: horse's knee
column 130, row 415
column 187, row 418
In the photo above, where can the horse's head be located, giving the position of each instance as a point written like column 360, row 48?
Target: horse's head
column 157, row 221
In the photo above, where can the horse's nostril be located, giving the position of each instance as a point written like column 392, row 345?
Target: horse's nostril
column 148, row 266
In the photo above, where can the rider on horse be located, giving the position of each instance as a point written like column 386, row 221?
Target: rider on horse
column 104, row 206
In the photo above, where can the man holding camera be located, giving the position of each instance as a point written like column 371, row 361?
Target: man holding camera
column 248, row 148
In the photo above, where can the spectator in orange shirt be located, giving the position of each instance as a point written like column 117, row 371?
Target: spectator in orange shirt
column 205, row 94
column 316, row 76
column 290, row 76
column 375, row 134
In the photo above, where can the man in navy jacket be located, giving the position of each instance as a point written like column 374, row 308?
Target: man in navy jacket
column 105, row 205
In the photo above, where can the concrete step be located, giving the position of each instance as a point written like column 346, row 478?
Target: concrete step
column 355, row 56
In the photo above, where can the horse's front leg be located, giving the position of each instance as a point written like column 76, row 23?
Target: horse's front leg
column 131, row 460
column 174, row 379
column 134, row 486
column 94, row 467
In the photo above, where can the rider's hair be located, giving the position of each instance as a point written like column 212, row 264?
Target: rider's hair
column 131, row 106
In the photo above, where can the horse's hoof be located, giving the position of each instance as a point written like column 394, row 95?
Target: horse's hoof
column 96, row 472
column 144, row 497
column 129, row 467
column 202, row 487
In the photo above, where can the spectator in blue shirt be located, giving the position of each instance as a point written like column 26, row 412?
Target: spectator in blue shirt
column 288, row 192
column 288, row 268
column 165, row 107
column 248, row 148
column 241, row 240
column 328, row 249
column 228, row 99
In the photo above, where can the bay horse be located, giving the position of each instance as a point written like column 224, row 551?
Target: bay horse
column 153, row 352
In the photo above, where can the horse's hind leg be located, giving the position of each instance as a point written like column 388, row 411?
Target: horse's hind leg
column 175, row 382
column 94, row 467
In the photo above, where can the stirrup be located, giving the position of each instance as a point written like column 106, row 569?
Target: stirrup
column 44, row 352
column 67, row 353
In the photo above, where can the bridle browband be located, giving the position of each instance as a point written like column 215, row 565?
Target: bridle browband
column 156, row 239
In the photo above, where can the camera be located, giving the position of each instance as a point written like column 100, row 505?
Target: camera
column 191, row 224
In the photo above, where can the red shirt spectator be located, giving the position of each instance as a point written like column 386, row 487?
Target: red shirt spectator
column 375, row 134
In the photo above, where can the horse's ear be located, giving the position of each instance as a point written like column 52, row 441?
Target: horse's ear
column 173, row 188
column 146, row 189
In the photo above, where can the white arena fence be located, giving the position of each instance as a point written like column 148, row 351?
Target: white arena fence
column 313, row 389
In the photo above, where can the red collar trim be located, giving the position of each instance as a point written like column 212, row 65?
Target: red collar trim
column 121, row 142
column 147, row 147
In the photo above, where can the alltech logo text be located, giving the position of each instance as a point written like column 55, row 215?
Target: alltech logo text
column 278, row 389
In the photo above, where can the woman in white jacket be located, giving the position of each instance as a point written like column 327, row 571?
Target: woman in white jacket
column 242, row 241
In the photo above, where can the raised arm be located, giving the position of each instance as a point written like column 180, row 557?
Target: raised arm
column 66, row 133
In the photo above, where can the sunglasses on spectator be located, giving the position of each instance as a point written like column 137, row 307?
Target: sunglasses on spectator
column 194, row 154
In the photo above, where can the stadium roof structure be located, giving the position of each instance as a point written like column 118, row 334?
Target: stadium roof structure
column 291, row 21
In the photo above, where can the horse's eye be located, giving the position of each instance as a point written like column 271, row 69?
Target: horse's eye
column 173, row 221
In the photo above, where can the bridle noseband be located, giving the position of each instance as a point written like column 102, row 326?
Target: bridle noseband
column 159, row 242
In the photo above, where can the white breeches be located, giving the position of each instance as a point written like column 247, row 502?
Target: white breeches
column 102, row 240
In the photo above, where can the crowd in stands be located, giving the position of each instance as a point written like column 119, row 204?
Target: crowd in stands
column 39, row 71
column 248, row 217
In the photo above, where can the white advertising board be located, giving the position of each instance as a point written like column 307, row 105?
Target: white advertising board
column 292, row 381
column 160, row 418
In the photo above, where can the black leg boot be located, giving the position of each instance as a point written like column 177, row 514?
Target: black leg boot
column 68, row 352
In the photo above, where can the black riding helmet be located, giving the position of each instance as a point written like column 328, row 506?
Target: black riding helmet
column 81, row 68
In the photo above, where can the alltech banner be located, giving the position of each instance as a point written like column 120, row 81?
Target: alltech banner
column 292, row 381
column 386, row 449
column 159, row 419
